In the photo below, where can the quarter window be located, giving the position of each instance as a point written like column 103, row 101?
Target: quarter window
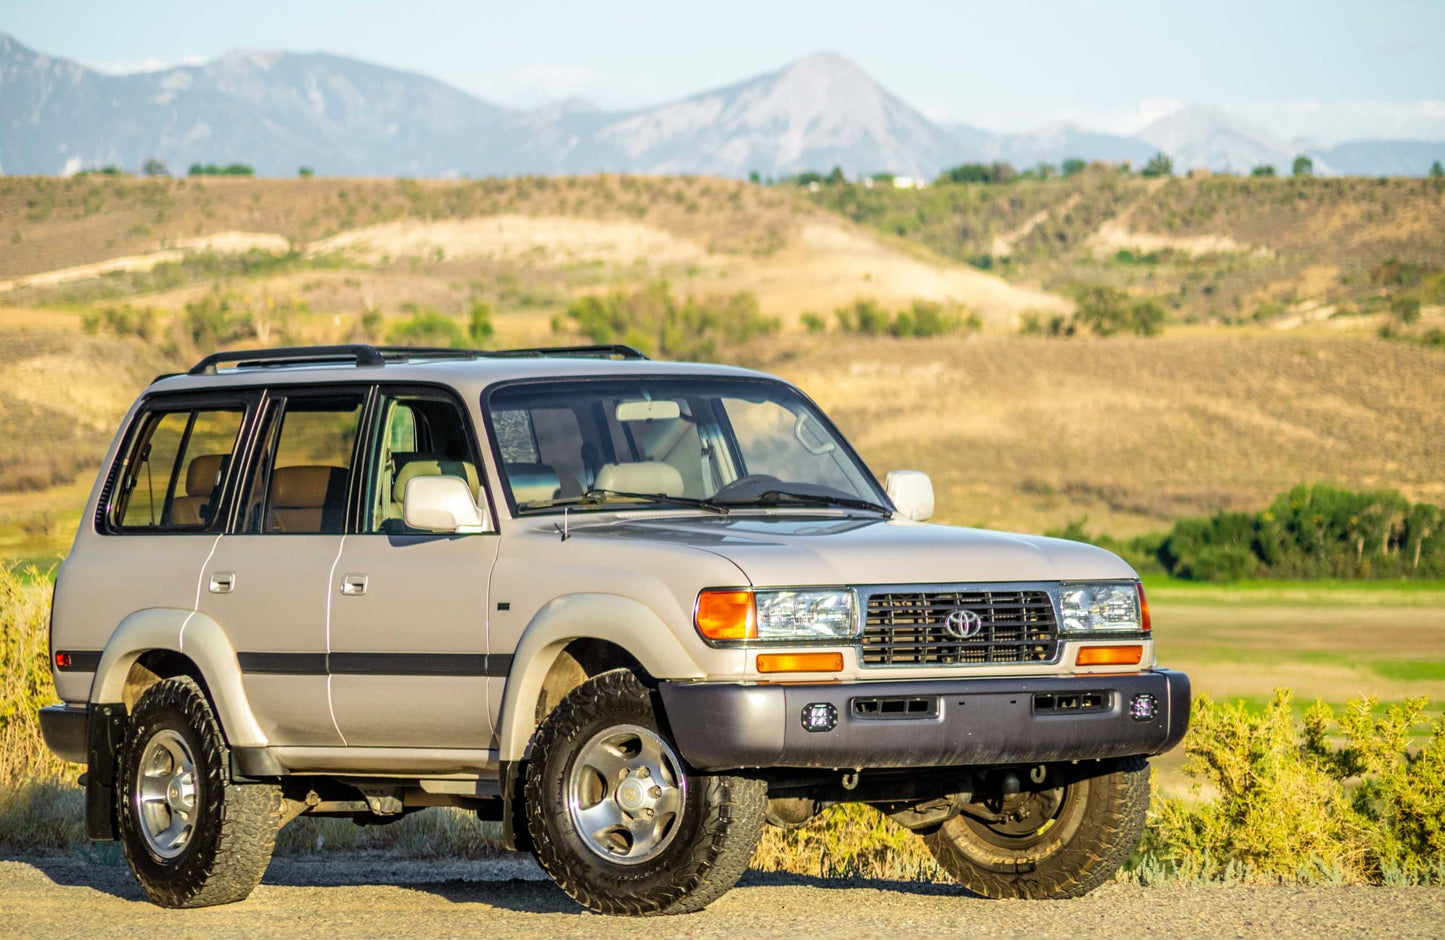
column 173, row 476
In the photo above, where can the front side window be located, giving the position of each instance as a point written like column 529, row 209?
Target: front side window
column 172, row 478
column 300, row 481
column 421, row 435
column 732, row 442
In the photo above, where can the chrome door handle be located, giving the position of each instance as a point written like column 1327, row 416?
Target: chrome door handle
column 353, row 585
column 223, row 582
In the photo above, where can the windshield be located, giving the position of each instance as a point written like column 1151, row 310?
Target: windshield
column 729, row 442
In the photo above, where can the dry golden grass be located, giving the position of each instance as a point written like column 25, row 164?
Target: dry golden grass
column 57, row 223
column 1030, row 433
column 1222, row 247
column 440, row 243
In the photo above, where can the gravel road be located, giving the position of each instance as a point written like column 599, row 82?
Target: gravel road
column 369, row 896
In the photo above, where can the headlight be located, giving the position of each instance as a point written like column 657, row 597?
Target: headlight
column 776, row 616
column 1092, row 608
column 806, row 615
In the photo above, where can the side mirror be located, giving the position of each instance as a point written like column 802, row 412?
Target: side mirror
column 441, row 504
column 912, row 492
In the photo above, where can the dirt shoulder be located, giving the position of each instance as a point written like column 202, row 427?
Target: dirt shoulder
column 364, row 896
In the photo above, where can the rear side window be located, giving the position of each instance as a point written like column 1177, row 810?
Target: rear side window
column 173, row 475
column 301, row 481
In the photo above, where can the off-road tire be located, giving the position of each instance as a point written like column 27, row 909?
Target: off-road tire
column 235, row 829
column 717, row 831
column 1091, row 838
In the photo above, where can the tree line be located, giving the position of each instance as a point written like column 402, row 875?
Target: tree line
column 1309, row 532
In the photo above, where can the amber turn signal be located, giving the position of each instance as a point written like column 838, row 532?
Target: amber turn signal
column 1110, row 656
column 726, row 615
column 1144, row 622
column 800, row 662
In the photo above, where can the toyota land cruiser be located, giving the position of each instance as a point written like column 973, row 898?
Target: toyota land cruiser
column 632, row 610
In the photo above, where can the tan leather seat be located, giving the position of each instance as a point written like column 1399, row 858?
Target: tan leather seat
column 307, row 499
column 202, row 477
column 428, row 467
column 650, row 477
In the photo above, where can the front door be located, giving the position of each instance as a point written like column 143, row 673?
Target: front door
column 408, row 661
column 267, row 584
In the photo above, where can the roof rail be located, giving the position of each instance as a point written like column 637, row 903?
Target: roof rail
column 289, row 355
column 362, row 355
column 612, row 351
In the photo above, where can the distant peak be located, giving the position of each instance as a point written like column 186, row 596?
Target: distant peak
column 258, row 58
column 576, row 104
column 827, row 61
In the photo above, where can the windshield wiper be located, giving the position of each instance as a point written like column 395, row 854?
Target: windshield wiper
column 772, row 497
column 596, row 497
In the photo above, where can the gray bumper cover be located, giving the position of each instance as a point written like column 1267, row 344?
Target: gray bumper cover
column 64, row 729
column 978, row 722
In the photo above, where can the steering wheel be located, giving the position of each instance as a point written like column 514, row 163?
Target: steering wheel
column 762, row 482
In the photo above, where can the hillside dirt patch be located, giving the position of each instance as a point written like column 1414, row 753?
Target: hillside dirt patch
column 220, row 242
column 1116, row 234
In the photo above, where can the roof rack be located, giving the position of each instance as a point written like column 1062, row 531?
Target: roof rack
column 365, row 356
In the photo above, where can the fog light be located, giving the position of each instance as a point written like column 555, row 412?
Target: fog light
column 1143, row 707
column 820, row 716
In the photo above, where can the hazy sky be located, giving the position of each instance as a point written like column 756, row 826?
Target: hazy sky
column 1002, row 66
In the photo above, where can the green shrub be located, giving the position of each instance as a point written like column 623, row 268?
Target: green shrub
column 923, row 318
column 1105, row 311
column 427, row 327
column 479, row 325
column 1406, row 309
column 652, row 320
column 864, row 316
column 1278, row 800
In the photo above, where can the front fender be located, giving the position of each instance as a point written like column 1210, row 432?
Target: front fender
column 195, row 636
column 619, row 620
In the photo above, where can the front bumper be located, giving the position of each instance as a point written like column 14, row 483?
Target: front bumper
column 961, row 722
column 65, row 731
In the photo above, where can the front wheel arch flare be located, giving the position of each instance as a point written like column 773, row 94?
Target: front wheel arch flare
column 619, row 621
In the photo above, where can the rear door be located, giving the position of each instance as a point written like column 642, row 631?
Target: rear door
column 266, row 583
column 160, row 515
column 409, row 661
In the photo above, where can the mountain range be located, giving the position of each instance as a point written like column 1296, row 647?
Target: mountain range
column 278, row 111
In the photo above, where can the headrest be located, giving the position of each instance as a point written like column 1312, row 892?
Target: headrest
column 203, row 474
column 302, row 487
column 428, row 467
column 649, row 477
column 533, row 482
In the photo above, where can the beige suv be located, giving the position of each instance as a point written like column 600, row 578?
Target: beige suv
column 632, row 610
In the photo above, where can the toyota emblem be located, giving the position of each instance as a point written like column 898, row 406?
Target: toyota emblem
column 963, row 624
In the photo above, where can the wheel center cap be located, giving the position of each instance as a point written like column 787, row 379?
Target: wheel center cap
column 631, row 795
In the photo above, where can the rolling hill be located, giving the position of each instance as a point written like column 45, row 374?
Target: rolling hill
column 107, row 281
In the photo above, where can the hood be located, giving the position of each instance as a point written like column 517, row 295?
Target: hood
column 786, row 550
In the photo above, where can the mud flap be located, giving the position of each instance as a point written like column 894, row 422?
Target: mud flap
column 104, row 733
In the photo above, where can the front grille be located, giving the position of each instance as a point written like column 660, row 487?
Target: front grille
column 906, row 628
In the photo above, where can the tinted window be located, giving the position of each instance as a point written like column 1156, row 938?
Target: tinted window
column 659, row 436
column 303, row 475
column 421, row 435
column 173, row 475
